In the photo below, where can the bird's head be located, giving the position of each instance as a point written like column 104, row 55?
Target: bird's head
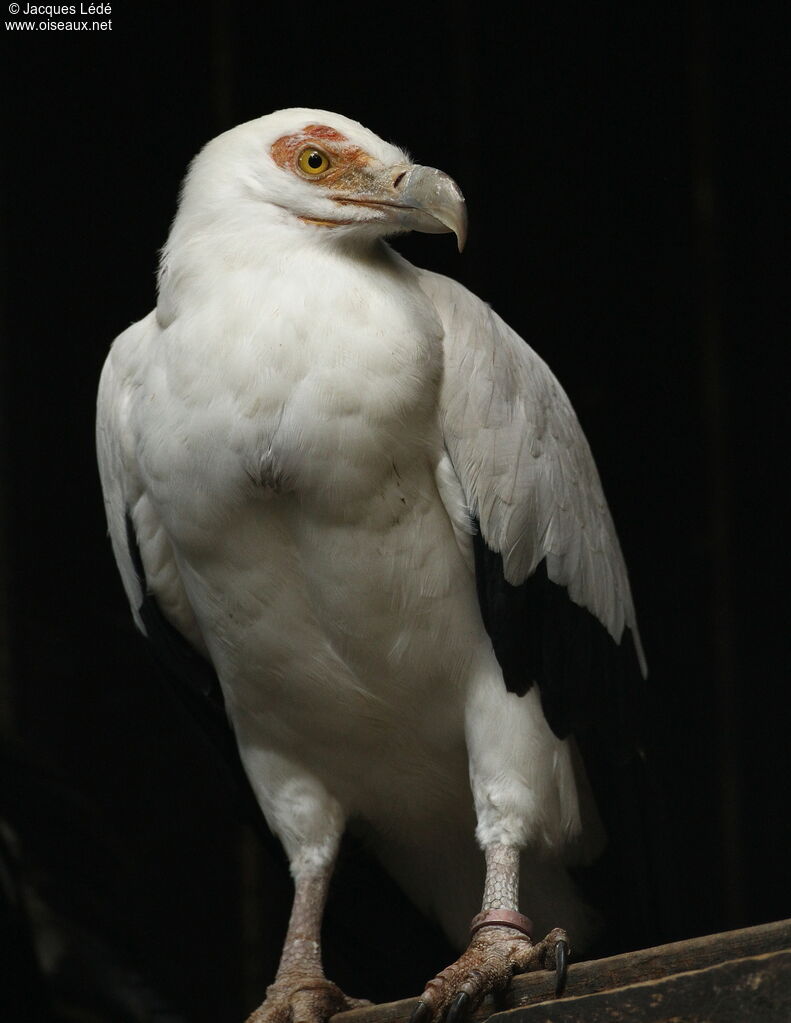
column 321, row 172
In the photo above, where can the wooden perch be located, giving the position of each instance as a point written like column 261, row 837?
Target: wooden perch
column 735, row 977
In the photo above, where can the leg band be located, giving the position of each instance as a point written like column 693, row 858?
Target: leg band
column 502, row 918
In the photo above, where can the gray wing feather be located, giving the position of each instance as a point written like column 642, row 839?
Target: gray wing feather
column 125, row 492
column 523, row 461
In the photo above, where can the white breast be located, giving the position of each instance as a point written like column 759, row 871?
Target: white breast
column 313, row 384
column 292, row 453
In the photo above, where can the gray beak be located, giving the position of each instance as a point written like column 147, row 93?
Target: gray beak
column 432, row 202
column 411, row 198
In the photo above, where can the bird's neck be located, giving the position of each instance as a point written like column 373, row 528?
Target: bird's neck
column 252, row 255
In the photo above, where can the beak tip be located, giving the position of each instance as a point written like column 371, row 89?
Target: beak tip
column 460, row 228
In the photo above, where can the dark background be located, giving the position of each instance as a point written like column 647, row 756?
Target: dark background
column 627, row 211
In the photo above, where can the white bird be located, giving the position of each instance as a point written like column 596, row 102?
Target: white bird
column 368, row 505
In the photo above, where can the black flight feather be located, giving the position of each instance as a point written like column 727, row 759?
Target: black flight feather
column 587, row 680
column 591, row 687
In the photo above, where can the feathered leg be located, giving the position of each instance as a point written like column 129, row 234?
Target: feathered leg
column 309, row 823
column 500, row 946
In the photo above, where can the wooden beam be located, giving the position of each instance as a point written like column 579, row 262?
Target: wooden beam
column 603, row 975
column 757, row 988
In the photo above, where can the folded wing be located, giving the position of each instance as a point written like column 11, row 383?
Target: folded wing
column 551, row 578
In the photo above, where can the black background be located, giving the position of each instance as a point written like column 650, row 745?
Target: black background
column 627, row 213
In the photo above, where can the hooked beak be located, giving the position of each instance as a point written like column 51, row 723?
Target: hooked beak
column 433, row 203
column 416, row 199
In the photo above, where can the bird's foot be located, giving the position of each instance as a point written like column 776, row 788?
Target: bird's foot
column 493, row 956
column 307, row 999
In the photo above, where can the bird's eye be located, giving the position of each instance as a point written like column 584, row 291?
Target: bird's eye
column 312, row 161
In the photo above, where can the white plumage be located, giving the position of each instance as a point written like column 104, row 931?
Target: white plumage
column 305, row 433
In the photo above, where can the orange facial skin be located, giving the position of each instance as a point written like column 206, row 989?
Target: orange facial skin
column 347, row 161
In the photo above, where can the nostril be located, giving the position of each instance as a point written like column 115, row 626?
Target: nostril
column 399, row 179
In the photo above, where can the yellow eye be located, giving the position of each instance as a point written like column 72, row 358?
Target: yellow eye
column 312, row 161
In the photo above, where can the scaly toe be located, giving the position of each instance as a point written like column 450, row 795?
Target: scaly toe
column 303, row 1000
column 487, row 965
column 550, row 953
column 493, row 956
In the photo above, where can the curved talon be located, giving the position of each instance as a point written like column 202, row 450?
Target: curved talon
column 561, row 966
column 421, row 1013
column 458, row 1008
